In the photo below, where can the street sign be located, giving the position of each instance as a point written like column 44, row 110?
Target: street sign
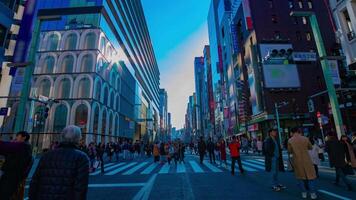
column 4, row 111
column 311, row 107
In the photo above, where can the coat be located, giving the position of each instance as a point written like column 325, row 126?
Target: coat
column 223, row 150
column 201, row 147
column 234, row 149
column 350, row 156
column 336, row 153
column 302, row 164
column 268, row 151
column 61, row 174
column 155, row 150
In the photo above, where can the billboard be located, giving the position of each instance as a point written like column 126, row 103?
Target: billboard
column 281, row 76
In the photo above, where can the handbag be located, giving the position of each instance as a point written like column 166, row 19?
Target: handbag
column 348, row 170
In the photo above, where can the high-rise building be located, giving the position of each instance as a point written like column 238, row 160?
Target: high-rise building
column 163, row 113
column 210, row 120
column 201, row 94
column 278, row 65
column 95, row 68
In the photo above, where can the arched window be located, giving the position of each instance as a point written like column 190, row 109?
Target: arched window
column 111, row 100
column 103, row 130
column 48, row 65
column 102, row 45
column 53, row 41
column 110, row 124
column 60, row 118
column 118, row 84
column 87, row 63
column 67, row 64
column 81, row 117
column 44, row 88
column 71, row 42
column 64, row 89
column 96, row 120
column 84, row 88
column 99, row 66
column 97, row 90
column 89, row 41
column 106, row 94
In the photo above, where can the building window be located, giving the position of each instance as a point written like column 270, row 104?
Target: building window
column 308, row 36
column 3, row 31
column 48, row 65
column 291, row 4
column 300, row 3
column 67, row 64
column 349, row 30
column 84, row 88
column 60, row 118
column 105, row 97
column 223, row 32
column 81, row 117
column 310, row 4
column 64, row 89
column 96, row 120
column 103, row 121
column 87, row 63
column 97, row 90
column 71, row 42
column 53, row 41
column 44, row 88
column 274, row 19
column 89, row 41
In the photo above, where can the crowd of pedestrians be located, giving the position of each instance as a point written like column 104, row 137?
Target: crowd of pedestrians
column 165, row 152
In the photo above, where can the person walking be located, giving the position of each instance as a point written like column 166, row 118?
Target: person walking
column 350, row 156
column 156, row 152
column 181, row 150
column 18, row 162
column 100, row 156
column 314, row 155
column 211, row 148
column 298, row 147
column 201, row 149
column 234, row 147
column 92, row 156
column 337, row 155
column 62, row 173
column 273, row 158
column 217, row 151
column 223, row 152
column 259, row 145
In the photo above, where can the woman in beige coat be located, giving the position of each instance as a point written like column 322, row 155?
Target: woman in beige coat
column 298, row 147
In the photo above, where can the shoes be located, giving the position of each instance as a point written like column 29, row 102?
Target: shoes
column 282, row 186
column 276, row 188
column 304, row 195
column 313, row 196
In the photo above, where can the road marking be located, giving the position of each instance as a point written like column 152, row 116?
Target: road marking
column 150, row 168
column 181, row 168
column 212, row 167
column 262, row 162
column 109, row 168
column 253, row 165
column 164, row 169
column 133, row 170
column 196, row 167
column 116, row 185
column 145, row 192
column 334, row 195
column 120, row 169
column 249, row 169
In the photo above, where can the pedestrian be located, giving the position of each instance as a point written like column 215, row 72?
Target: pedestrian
column 171, row 153
column 181, row 150
column 298, row 147
column 259, row 145
column 337, row 155
column 350, row 156
column 62, row 173
column 244, row 143
column 201, row 149
column 211, row 148
column 92, row 155
column 314, row 155
column 117, row 149
column 100, row 156
column 234, row 147
column 273, row 158
column 125, row 148
column 217, row 151
column 18, row 162
column 162, row 152
column 223, row 152
column 156, row 152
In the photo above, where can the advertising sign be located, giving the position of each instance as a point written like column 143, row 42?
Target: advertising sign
column 281, row 76
column 304, row 56
column 334, row 72
column 247, row 14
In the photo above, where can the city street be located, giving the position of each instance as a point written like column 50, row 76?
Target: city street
column 142, row 179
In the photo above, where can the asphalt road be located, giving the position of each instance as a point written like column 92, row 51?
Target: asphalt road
column 142, row 179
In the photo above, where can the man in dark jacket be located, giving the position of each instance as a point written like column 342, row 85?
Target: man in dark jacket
column 211, row 147
column 201, row 149
column 62, row 173
column 273, row 158
column 18, row 161
column 337, row 154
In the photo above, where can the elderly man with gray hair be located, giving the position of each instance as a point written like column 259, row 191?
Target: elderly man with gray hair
column 64, row 172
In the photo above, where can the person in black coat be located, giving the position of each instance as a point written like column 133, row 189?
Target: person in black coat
column 211, row 148
column 18, row 161
column 273, row 158
column 337, row 154
column 62, row 173
column 201, row 149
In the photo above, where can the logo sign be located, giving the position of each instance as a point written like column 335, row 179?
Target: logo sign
column 304, row 56
column 4, row 111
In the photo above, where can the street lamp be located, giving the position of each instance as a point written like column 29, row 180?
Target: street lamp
column 21, row 111
column 277, row 107
column 326, row 71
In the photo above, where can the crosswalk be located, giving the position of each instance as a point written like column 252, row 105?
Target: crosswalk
column 191, row 166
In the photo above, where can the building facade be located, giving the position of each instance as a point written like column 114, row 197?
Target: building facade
column 163, row 113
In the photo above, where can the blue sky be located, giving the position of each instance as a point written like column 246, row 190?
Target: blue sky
column 179, row 32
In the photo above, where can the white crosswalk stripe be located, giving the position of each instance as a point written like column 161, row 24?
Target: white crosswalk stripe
column 107, row 168
column 133, row 170
column 164, row 169
column 249, row 169
column 121, row 168
column 181, row 168
column 196, row 167
column 212, row 167
column 150, row 168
